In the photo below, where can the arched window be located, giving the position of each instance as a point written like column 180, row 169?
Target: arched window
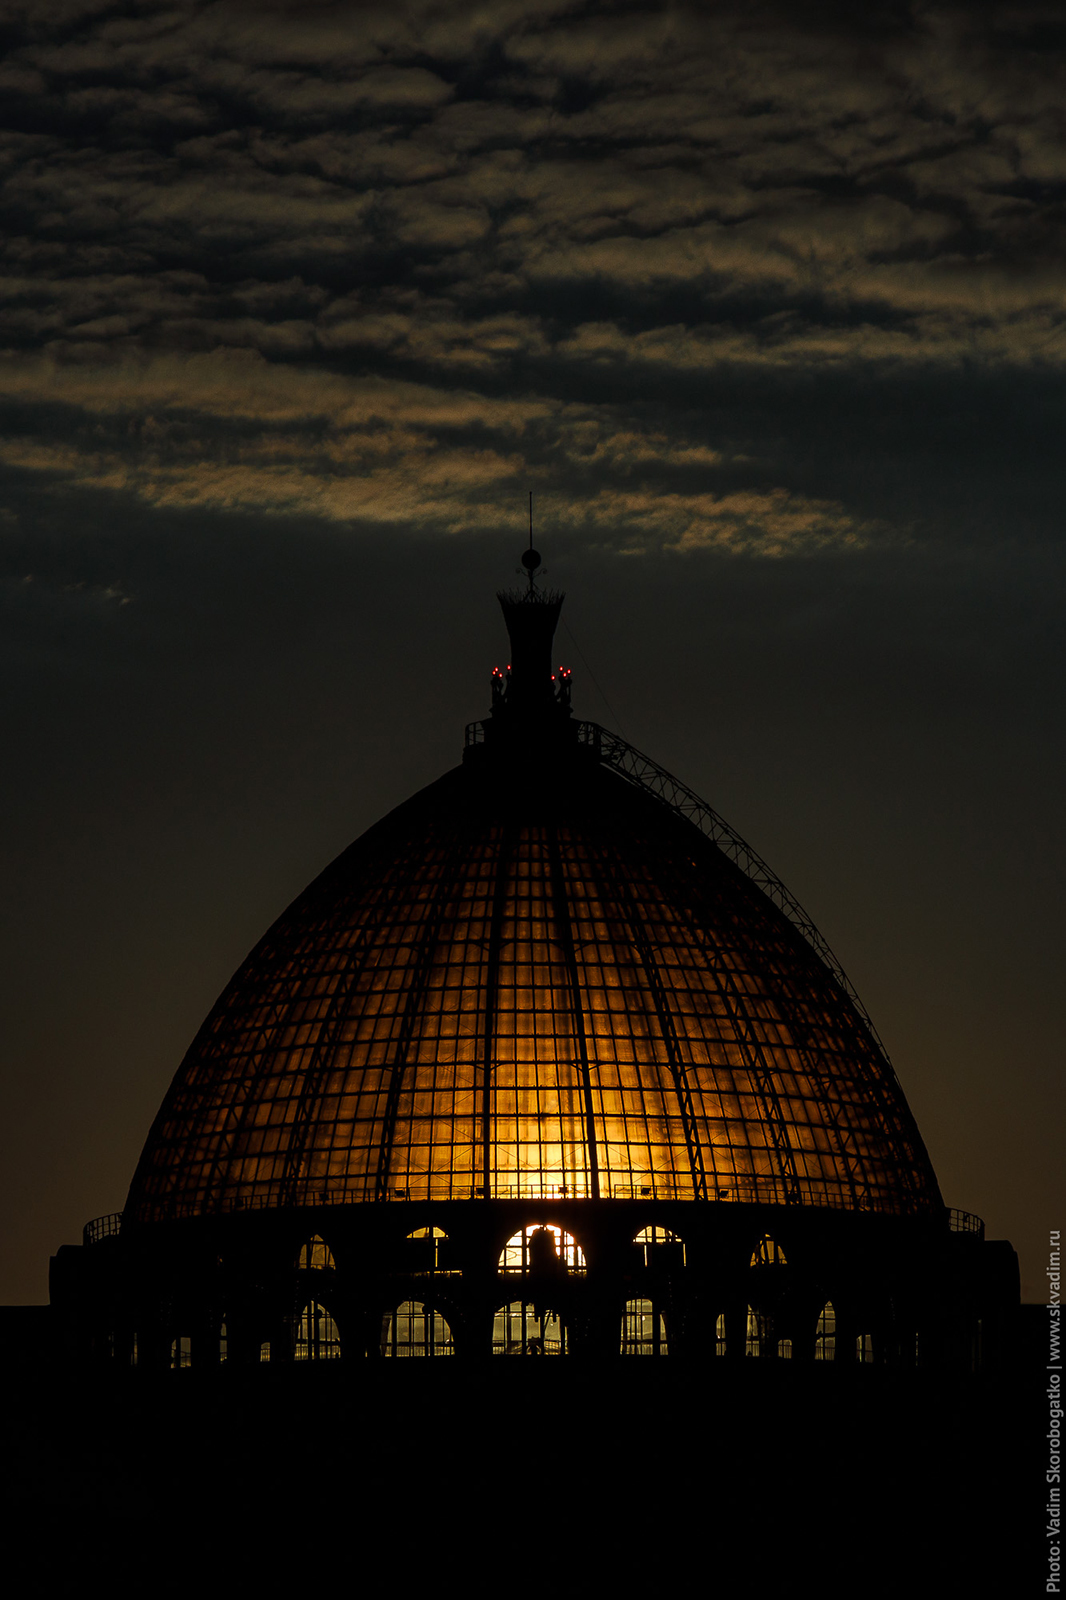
column 864, row 1348
column 784, row 1349
column 223, row 1341
column 719, row 1335
column 425, row 1253
column 317, row 1338
column 264, row 1350
column 660, row 1248
column 415, row 1330
column 825, row 1335
column 518, row 1330
column 181, row 1352
column 643, row 1330
column 754, row 1334
column 768, row 1253
column 315, row 1256
column 542, row 1249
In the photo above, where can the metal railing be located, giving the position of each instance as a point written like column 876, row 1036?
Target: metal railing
column 965, row 1222
column 764, row 1189
column 108, row 1227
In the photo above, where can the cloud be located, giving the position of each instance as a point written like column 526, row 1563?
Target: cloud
column 386, row 262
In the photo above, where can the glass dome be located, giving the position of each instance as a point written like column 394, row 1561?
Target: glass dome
column 533, row 979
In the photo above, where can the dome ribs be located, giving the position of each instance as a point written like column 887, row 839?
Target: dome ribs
column 536, row 978
column 357, row 955
column 705, row 894
column 539, row 1111
column 445, row 894
column 198, row 1098
column 883, row 1096
column 195, row 1098
column 614, row 885
column 565, row 935
column 646, row 775
column 508, row 842
column 738, row 1009
column 843, row 1061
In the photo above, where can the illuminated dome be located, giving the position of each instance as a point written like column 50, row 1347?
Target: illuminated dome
column 554, row 973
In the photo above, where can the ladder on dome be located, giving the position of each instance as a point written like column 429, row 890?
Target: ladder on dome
column 644, row 773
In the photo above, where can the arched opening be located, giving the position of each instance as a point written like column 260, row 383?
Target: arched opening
column 542, row 1248
column 660, row 1248
column 825, row 1334
column 643, row 1330
column 784, row 1349
column 754, row 1333
column 315, row 1256
column 521, row 1329
column 719, row 1335
column 223, row 1341
column 864, row 1349
column 181, row 1352
column 317, row 1338
column 414, row 1329
column 425, row 1253
column 768, row 1253
column 264, row 1350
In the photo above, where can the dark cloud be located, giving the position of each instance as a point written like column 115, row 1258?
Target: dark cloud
column 497, row 202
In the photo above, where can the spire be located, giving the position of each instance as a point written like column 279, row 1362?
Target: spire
column 529, row 699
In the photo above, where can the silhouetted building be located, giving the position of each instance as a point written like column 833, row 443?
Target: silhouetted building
column 547, row 1062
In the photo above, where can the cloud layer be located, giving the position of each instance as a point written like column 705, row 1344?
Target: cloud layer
column 392, row 264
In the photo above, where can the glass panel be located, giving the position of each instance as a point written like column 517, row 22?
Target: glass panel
column 660, row 1248
column 415, row 1330
column 825, row 1341
column 519, row 1329
column 316, row 1256
column 317, row 1338
column 425, row 1253
column 351, row 1047
column 768, row 1253
column 542, row 1249
column 643, row 1331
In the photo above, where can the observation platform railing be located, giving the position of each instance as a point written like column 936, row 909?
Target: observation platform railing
column 763, row 1190
column 106, row 1227
column 965, row 1222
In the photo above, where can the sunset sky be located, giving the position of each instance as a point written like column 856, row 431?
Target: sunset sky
column 298, row 302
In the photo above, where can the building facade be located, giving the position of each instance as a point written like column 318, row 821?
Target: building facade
column 547, row 1063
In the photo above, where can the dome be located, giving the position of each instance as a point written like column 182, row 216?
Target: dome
column 552, row 973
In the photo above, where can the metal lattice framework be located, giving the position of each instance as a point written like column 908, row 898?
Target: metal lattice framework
column 640, row 770
column 569, row 980
column 649, row 775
